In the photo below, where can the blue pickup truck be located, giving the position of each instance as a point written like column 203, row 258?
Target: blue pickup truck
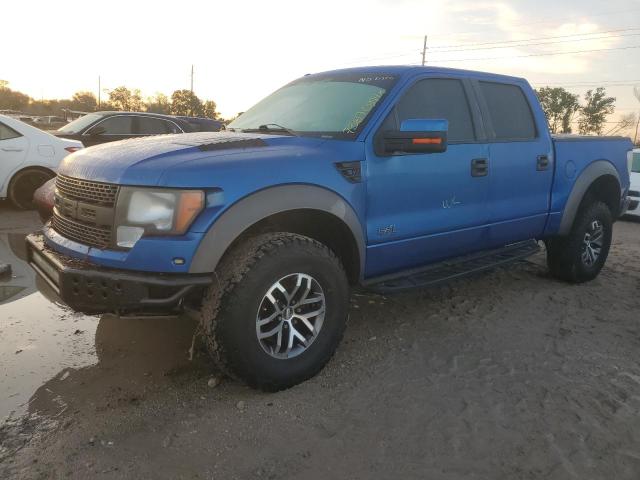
column 386, row 177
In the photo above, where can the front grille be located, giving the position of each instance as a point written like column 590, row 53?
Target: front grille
column 104, row 194
column 81, row 232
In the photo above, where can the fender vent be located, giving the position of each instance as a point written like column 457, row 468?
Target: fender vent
column 350, row 171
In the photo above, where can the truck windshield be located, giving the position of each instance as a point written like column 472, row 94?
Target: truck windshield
column 327, row 105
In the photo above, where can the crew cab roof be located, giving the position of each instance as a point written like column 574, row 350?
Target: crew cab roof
column 403, row 70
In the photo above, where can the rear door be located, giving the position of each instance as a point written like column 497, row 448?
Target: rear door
column 154, row 126
column 520, row 162
column 13, row 152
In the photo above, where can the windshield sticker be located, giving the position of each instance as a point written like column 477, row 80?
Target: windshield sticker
column 381, row 78
column 360, row 115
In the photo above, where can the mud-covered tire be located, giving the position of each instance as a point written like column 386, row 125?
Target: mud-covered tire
column 230, row 308
column 24, row 184
column 565, row 254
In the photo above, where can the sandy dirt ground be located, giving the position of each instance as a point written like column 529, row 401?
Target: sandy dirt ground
column 508, row 375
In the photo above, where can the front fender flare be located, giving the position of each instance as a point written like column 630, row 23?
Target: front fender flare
column 589, row 175
column 250, row 210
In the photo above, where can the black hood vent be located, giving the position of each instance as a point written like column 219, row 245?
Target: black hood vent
column 232, row 144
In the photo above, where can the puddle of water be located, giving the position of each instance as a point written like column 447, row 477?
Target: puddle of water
column 51, row 356
column 38, row 338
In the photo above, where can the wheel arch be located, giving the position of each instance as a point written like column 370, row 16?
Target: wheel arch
column 11, row 177
column 39, row 168
column 600, row 180
column 304, row 209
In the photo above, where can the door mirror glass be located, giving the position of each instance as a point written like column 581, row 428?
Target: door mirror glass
column 417, row 135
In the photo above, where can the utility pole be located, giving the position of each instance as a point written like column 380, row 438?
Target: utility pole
column 192, row 78
column 424, row 51
column 99, row 90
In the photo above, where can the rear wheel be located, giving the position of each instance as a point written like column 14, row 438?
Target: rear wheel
column 277, row 311
column 580, row 256
column 24, row 184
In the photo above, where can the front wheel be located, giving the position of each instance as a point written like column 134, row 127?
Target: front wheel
column 580, row 256
column 277, row 310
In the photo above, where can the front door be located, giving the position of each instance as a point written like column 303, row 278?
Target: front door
column 111, row 129
column 422, row 208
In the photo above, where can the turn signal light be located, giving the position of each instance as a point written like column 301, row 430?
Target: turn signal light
column 427, row 141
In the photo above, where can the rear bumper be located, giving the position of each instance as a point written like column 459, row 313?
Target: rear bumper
column 89, row 288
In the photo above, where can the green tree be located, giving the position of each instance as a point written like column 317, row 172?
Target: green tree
column 11, row 99
column 84, row 101
column 559, row 106
column 160, row 103
column 121, row 98
column 593, row 114
column 209, row 109
column 185, row 102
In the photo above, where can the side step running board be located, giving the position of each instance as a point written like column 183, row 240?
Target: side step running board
column 452, row 268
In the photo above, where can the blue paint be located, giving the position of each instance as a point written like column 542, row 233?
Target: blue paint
column 413, row 209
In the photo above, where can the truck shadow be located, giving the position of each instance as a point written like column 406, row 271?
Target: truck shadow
column 135, row 357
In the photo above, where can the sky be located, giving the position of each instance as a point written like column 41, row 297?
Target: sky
column 244, row 50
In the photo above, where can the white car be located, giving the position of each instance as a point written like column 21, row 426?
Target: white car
column 634, row 189
column 28, row 158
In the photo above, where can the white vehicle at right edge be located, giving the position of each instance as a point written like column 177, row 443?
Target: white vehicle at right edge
column 634, row 189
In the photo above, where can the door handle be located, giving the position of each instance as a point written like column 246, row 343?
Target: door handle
column 542, row 162
column 479, row 167
column 12, row 149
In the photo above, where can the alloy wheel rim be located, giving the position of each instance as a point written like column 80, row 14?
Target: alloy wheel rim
column 290, row 316
column 592, row 243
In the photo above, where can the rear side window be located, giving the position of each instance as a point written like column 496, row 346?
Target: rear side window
column 509, row 110
column 7, row 133
column 439, row 98
column 155, row 126
column 120, row 125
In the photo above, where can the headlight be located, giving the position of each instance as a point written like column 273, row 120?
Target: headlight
column 155, row 211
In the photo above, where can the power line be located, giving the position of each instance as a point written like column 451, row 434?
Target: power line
column 514, row 45
column 540, row 54
column 617, row 30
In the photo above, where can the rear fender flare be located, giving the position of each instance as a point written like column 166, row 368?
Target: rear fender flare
column 589, row 175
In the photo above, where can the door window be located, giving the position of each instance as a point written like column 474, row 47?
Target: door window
column 119, row 125
column 509, row 110
column 155, row 126
column 7, row 133
column 438, row 98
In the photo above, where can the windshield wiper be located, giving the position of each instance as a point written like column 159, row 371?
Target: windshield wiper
column 268, row 127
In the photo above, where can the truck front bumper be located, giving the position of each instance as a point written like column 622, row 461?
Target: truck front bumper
column 89, row 288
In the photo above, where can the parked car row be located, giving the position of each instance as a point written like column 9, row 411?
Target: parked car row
column 29, row 156
column 102, row 127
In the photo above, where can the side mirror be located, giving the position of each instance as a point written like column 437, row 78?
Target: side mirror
column 417, row 136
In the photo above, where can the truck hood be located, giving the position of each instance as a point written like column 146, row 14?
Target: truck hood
column 146, row 161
